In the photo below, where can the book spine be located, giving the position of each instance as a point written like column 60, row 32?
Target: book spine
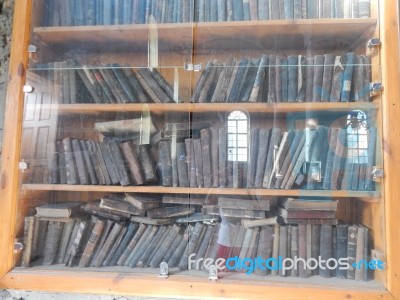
column 118, row 161
column 329, row 62
column 289, row 9
column 369, row 183
column 337, row 79
column 198, row 162
column 191, row 164
column 275, row 247
column 298, row 9
column 327, row 182
column 131, row 160
column 309, row 78
column 259, row 80
column 360, row 253
column 238, row 10
column 110, row 167
column 89, row 163
column 132, row 244
column 262, row 9
column 80, row 163
column 263, row 142
column 221, row 10
column 147, row 163
column 273, row 145
column 292, row 78
column 70, row 165
column 283, row 240
column 275, row 9
column 348, row 77
column 91, row 244
column 182, row 166
column 206, row 158
column 272, row 79
column 222, row 158
column 251, row 171
column 339, row 155
column 319, row 61
column 294, row 247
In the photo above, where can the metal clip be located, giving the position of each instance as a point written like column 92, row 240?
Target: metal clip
column 213, row 273
column 192, row 67
column 197, row 68
column 32, row 49
column 375, row 86
column 27, row 89
column 377, row 174
column 374, row 42
column 18, row 246
column 163, row 270
column 23, row 166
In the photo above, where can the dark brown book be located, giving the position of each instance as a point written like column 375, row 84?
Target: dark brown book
column 165, row 164
column 265, row 245
column 230, row 88
column 77, row 240
column 242, row 213
column 130, row 232
column 147, row 88
column 127, row 92
column 315, row 244
column 263, row 142
column 306, row 214
column 92, row 150
column 52, row 242
column 170, row 212
column 111, row 167
column 154, row 86
column 234, row 203
column 207, row 89
column 105, row 92
column 131, row 161
column 337, row 79
column 96, row 146
column 191, row 163
column 182, row 165
column 143, row 202
column 164, row 84
column 91, row 85
column 202, row 80
column 110, row 214
column 121, row 206
column 92, row 242
column 70, row 163
column 198, row 162
column 113, row 83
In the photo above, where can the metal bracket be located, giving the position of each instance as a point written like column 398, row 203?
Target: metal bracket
column 374, row 42
column 164, row 269
column 32, row 49
column 377, row 174
column 23, row 166
column 192, row 67
column 375, row 86
column 213, row 273
column 27, row 89
column 18, row 246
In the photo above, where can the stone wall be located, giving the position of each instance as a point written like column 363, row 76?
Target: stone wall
column 6, row 14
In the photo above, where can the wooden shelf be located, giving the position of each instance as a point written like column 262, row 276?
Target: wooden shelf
column 213, row 107
column 328, row 34
column 199, row 191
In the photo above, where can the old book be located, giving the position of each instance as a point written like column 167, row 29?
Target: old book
column 364, row 8
column 206, row 88
column 306, row 214
column 339, row 9
column 122, row 126
column 198, row 162
column 341, row 248
column 147, row 163
column 113, row 249
column 112, row 236
column 339, row 158
column 113, row 83
column 119, row 164
column 222, row 158
column 294, row 247
column 302, row 250
column 175, row 257
column 190, row 159
column 131, row 160
column 265, row 246
column 141, row 246
column 348, row 77
column 206, row 158
column 325, row 249
column 182, row 166
column 52, row 242
column 120, row 206
column 366, row 273
column 194, row 240
column 309, row 70
column 252, row 165
column 242, row 213
column 318, row 155
column 259, row 79
column 253, row 8
column 301, row 79
column 77, row 240
column 249, row 80
column 248, row 223
column 202, row 80
column 369, row 183
column 303, row 204
column 290, row 157
column 263, row 142
column 147, row 83
column 148, row 221
column 70, row 163
column 278, row 79
column 360, row 253
column 132, row 244
column 94, row 206
column 58, row 210
column 337, row 79
column 143, row 202
column 103, row 237
column 127, row 92
column 122, row 246
column 327, row 182
column 98, row 163
column 329, row 63
column 101, row 86
column 311, row 221
column 89, row 163
column 355, row 176
column 326, row 9
column 134, row 83
column 65, row 238
column 142, row 261
column 252, row 251
column 234, row 203
column 245, row 244
column 280, row 156
column 293, row 78
column 164, row 247
column 319, row 61
column 269, row 165
column 283, row 240
column 110, row 166
column 61, row 163
column 237, row 10
column 289, row 12
column 315, row 244
column 237, row 81
column 29, row 230
column 92, row 242
column 214, row 137
column 170, row 212
column 358, row 79
column 165, row 164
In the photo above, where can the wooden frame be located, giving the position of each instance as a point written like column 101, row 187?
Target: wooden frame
column 175, row 286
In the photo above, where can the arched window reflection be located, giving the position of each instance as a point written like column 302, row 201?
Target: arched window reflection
column 237, row 136
column 357, row 137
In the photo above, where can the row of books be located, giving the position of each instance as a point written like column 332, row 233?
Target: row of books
column 110, row 12
column 296, row 78
column 88, row 162
column 62, row 234
column 110, row 83
column 313, row 159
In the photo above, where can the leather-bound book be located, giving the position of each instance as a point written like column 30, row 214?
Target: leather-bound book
column 329, row 64
column 294, row 247
column 61, row 163
column 165, row 164
column 348, row 77
column 283, row 240
column 214, row 137
column 109, row 242
column 269, row 165
column 319, row 62
column 333, row 138
column 119, row 163
column 170, row 211
column 89, row 162
column 131, row 160
column 92, row 242
column 147, row 163
column 315, row 244
column 70, row 163
column 263, row 142
column 123, row 244
column 134, row 83
column 337, row 79
column 222, row 159
column 265, row 246
column 206, row 158
column 302, row 250
column 293, row 77
column 131, row 245
column 259, row 79
column 65, row 238
column 325, row 249
column 252, row 165
column 110, row 166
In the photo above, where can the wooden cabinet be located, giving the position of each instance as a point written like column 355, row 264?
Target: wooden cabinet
column 44, row 107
